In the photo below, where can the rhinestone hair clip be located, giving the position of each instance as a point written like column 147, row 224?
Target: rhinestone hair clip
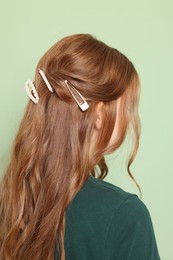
column 29, row 87
column 46, row 80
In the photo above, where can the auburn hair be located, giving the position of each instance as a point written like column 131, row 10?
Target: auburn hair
column 51, row 153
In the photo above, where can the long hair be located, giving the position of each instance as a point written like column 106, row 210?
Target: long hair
column 51, row 154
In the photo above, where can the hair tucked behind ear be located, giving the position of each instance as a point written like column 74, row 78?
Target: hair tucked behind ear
column 51, row 155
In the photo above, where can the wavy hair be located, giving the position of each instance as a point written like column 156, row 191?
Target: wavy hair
column 50, row 157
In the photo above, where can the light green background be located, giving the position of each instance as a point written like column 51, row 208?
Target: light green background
column 143, row 30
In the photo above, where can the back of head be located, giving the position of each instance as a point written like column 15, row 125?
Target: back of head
column 54, row 150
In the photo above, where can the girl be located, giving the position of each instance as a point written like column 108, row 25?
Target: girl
column 54, row 203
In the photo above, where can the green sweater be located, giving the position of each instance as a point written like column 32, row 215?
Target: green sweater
column 104, row 222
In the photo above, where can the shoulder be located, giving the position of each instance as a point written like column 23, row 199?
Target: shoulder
column 100, row 197
column 121, row 201
column 130, row 229
column 120, row 219
column 124, row 203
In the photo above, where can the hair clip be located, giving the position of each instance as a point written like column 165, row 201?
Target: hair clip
column 29, row 86
column 46, row 80
column 83, row 105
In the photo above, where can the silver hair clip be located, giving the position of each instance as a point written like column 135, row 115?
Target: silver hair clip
column 83, row 105
column 29, row 86
column 46, row 80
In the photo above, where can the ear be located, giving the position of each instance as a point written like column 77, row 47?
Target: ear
column 99, row 115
